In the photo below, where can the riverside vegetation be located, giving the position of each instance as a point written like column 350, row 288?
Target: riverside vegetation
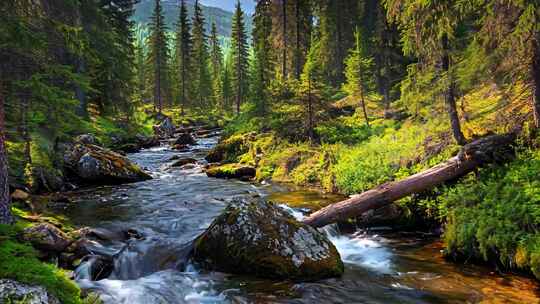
column 341, row 96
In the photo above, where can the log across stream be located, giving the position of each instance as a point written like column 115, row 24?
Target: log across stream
column 178, row 204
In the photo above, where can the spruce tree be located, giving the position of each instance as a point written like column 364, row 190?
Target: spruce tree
column 216, row 62
column 183, row 54
column 262, row 56
column 239, row 50
column 429, row 31
column 158, row 55
column 356, row 73
column 201, row 74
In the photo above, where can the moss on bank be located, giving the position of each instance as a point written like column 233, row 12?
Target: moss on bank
column 20, row 262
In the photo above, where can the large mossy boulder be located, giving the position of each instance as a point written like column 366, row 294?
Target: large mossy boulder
column 261, row 239
column 92, row 164
column 237, row 171
column 184, row 139
column 230, row 149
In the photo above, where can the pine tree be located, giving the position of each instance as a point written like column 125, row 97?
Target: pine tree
column 356, row 72
column 201, row 74
column 183, row 54
column 429, row 31
column 216, row 63
column 239, row 50
column 262, row 56
column 313, row 91
column 158, row 55
column 226, row 83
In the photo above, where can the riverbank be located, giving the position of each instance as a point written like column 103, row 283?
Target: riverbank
column 490, row 216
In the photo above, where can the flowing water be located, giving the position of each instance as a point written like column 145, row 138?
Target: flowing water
column 178, row 204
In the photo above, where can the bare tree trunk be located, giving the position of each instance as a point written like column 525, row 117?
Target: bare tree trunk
column 310, row 121
column 285, row 42
column 536, row 81
column 5, row 200
column 449, row 96
column 364, row 108
column 495, row 148
column 298, row 69
column 25, row 132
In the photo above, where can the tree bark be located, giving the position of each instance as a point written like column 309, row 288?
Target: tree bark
column 495, row 148
column 285, row 44
column 5, row 200
column 449, row 96
column 536, row 81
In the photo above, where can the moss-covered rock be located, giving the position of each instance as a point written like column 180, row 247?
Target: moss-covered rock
column 231, row 171
column 96, row 165
column 46, row 237
column 230, row 149
column 261, row 239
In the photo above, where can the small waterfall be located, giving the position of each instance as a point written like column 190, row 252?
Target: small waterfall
column 359, row 248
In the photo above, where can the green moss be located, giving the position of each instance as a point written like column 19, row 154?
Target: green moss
column 19, row 262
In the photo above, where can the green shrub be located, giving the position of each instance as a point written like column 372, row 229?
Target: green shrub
column 496, row 214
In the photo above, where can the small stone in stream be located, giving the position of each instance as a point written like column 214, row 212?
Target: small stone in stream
column 184, row 161
column 238, row 171
column 261, row 239
column 20, row 195
column 184, row 139
column 46, row 237
column 15, row 292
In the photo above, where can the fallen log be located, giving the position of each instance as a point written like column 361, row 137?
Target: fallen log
column 490, row 149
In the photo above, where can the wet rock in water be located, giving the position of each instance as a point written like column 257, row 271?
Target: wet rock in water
column 46, row 237
column 184, row 161
column 232, row 171
column 87, row 139
column 166, row 128
column 146, row 142
column 181, row 148
column 184, row 139
column 96, row 165
column 129, row 148
column 261, row 239
column 95, row 268
column 15, row 292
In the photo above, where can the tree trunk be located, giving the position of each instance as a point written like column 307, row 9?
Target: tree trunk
column 5, row 200
column 25, row 131
column 495, row 148
column 449, row 96
column 285, row 45
column 298, row 68
column 364, row 109
column 310, row 122
column 536, row 81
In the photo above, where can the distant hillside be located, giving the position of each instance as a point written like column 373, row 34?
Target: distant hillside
column 221, row 17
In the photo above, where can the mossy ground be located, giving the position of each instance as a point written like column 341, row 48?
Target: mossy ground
column 20, row 262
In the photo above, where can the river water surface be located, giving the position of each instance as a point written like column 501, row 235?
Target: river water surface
column 178, row 204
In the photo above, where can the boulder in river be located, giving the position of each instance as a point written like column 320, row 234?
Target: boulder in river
column 230, row 149
column 184, row 139
column 16, row 292
column 96, row 165
column 238, row 171
column 261, row 239
column 46, row 237
column 166, row 128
